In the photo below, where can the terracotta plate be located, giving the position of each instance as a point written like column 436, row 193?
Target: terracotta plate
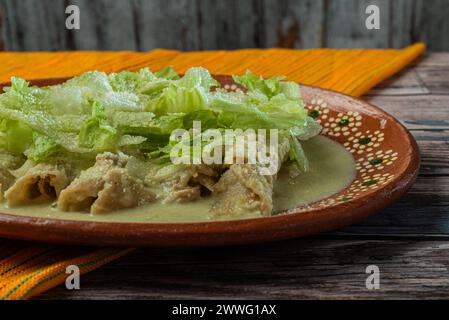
column 387, row 161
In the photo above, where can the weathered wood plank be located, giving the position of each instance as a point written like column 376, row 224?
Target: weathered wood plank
column 417, row 111
column 432, row 25
column 407, row 82
column 434, row 149
column 402, row 21
column 428, row 75
column 34, row 25
column 303, row 268
column 104, row 25
column 228, row 24
column 293, row 24
column 345, row 24
column 434, row 59
column 424, row 211
column 436, row 79
column 208, row 24
column 2, row 29
column 171, row 24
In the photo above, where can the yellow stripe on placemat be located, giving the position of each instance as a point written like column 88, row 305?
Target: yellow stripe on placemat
column 38, row 268
column 28, row 269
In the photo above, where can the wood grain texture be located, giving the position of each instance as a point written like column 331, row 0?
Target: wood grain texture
column 345, row 22
column 436, row 79
column 298, row 269
column 293, row 24
column 432, row 24
column 228, row 24
column 416, row 111
column 170, row 24
column 402, row 23
column 105, row 25
column 34, row 25
column 209, row 24
column 408, row 241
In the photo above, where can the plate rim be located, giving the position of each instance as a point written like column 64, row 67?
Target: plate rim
column 228, row 232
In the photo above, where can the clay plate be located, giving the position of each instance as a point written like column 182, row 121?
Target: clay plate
column 387, row 160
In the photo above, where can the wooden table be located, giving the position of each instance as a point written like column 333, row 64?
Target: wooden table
column 409, row 241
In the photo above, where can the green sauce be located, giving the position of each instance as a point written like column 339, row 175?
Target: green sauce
column 332, row 168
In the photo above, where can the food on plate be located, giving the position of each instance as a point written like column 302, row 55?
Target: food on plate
column 106, row 144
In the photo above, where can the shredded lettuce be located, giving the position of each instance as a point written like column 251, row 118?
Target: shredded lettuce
column 297, row 155
column 15, row 136
column 66, row 100
column 41, row 148
column 96, row 112
column 197, row 77
column 21, row 96
column 175, row 99
column 97, row 133
column 269, row 87
column 128, row 140
column 168, row 73
column 127, row 81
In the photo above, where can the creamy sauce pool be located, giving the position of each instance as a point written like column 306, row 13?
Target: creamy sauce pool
column 332, row 168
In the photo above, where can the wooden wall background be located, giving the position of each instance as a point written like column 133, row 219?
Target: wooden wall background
column 30, row 25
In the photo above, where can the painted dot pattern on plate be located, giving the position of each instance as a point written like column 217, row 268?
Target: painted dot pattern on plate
column 374, row 162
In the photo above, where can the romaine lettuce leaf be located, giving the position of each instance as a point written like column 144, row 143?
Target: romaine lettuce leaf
column 15, row 137
column 23, row 97
column 41, row 122
column 42, row 148
column 127, row 81
column 167, row 73
column 269, row 87
column 92, row 83
column 197, row 77
column 297, row 155
column 97, row 133
column 67, row 100
column 137, row 112
column 176, row 99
